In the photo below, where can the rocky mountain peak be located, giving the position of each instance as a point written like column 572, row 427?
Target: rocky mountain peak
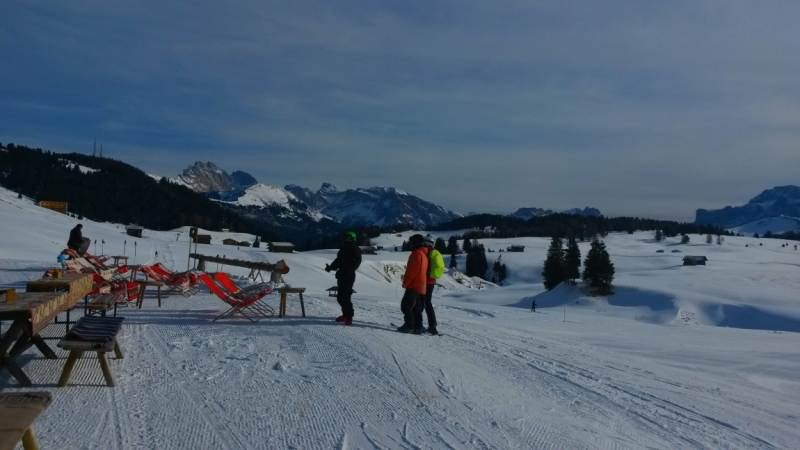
column 776, row 202
column 207, row 177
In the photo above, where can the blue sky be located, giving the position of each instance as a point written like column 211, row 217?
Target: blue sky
column 643, row 108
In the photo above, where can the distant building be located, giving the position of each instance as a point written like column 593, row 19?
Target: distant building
column 244, row 244
column 516, row 248
column 281, row 247
column 133, row 230
column 367, row 250
column 694, row 260
column 202, row 239
column 230, row 241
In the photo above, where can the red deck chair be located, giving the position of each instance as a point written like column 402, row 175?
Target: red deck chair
column 249, row 307
column 176, row 283
column 193, row 275
column 254, row 289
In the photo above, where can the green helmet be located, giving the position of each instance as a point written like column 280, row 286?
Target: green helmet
column 350, row 235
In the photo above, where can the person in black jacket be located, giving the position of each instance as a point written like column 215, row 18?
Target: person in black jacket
column 75, row 238
column 347, row 261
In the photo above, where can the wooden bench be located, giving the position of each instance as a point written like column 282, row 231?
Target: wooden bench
column 100, row 304
column 17, row 413
column 93, row 334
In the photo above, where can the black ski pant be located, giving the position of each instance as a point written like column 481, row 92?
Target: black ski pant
column 344, row 286
column 429, row 306
column 411, row 305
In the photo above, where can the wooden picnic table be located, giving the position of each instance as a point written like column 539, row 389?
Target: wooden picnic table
column 30, row 313
column 77, row 284
column 17, row 412
column 290, row 290
column 134, row 270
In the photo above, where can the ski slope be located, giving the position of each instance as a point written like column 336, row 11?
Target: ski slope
column 680, row 357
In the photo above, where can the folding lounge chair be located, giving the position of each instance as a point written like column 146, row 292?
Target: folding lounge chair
column 193, row 275
column 83, row 266
column 248, row 306
column 223, row 279
column 176, row 283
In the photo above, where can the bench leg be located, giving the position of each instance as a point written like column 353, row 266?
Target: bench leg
column 118, row 350
column 29, row 440
column 74, row 356
column 101, row 356
column 159, row 296
column 302, row 305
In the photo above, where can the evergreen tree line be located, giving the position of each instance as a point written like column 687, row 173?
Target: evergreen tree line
column 564, row 265
column 115, row 192
column 586, row 228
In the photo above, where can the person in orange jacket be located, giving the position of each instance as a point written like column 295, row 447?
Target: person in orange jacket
column 415, row 283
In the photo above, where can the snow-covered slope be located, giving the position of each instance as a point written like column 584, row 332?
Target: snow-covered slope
column 776, row 225
column 680, row 357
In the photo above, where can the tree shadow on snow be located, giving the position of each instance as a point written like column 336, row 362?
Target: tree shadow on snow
column 750, row 318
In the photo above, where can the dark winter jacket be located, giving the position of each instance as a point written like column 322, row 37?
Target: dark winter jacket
column 75, row 239
column 347, row 261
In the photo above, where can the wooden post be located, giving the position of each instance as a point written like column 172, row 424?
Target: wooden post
column 29, row 440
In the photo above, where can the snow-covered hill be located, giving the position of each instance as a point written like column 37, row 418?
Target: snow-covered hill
column 679, row 357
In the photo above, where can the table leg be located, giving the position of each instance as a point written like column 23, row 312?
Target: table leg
column 43, row 347
column 159, row 296
column 302, row 306
column 14, row 333
column 140, row 300
column 282, row 307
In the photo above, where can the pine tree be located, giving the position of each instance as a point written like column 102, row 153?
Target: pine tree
column 501, row 276
column 572, row 260
column 598, row 270
column 720, row 239
column 476, row 265
column 553, row 270
column 709, row 239
column 453, row 262
column 685, row 239
column 659, row 236
column 440, row 245
column 467, row 245
column 452, row 245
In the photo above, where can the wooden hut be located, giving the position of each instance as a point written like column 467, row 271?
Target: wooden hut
column 134, row 230
column 694, row 260
column 202, row 239
column 368, row 250
column 229, row 241
column 516, row 248
column 281, row 247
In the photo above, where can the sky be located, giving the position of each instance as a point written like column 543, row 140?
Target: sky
column 637, row 108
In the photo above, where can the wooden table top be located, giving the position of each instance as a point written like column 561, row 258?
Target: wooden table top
column 78, row 285
column 291, row 290
column 37, row 307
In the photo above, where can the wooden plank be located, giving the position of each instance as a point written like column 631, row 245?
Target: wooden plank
column 17, row 414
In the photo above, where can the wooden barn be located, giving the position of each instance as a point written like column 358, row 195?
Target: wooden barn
column 368, row 250
column 229, row 241
column 202, row 239
column 516, row 248
column 281, row 247
column 694, row 260
column 133, row 230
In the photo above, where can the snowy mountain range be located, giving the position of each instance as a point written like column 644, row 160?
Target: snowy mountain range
column 528, row 213
column 764, row 210
column 296, row 206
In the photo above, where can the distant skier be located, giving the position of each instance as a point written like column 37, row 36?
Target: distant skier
column 347, row 261
column 533, row 306
column 435, row 270
column 414, row 282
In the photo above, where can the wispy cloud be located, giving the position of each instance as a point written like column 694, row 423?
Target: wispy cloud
column 637, row 108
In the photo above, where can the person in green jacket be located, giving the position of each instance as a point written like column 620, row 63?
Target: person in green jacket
column 435, row 270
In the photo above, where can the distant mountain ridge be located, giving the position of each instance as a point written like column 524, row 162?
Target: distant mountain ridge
column 351, row 207
column 528, row 213
column 780, row 201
